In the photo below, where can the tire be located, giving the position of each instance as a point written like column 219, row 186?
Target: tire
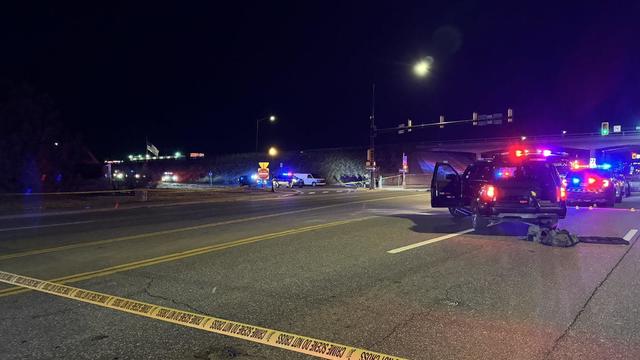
column 480, row 223
column 313, row 184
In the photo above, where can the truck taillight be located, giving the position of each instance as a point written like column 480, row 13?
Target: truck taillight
column 605, row 183
column 488, row 192
column 562, row 193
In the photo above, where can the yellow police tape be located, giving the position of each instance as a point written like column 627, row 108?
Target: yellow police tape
column 288, row 341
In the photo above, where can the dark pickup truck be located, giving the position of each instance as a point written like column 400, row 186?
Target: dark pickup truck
column 507, row 188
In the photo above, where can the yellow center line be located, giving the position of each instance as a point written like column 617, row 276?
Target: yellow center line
column 183, row 254
column 184, row 229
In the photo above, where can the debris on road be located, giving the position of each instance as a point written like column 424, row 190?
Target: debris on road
column 562, row 238
column 551, row 237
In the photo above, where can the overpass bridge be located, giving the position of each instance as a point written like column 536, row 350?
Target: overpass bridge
column 589, row 144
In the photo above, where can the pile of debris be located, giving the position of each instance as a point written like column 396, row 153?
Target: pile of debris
column 551, row 237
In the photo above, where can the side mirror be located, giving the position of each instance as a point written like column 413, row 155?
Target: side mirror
column 451, row 177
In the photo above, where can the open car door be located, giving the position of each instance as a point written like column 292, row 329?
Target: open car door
column 446, row 187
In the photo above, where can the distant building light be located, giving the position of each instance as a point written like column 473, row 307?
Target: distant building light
column 177, row 154
column 196, row 155
column 523, row 138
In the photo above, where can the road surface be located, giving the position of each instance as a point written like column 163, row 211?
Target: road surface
column 377, row 270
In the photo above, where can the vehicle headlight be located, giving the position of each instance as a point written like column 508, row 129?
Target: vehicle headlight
column 174, row 177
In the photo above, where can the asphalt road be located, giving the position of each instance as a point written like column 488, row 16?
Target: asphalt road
column 341, row 267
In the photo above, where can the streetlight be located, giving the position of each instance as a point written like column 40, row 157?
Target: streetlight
column 421, row 68
column 271, row 118
column 273, row 151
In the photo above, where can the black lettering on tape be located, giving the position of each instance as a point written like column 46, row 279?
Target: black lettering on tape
column 91, row 296
column 297, row 343
column 28, row 282
column 319, row 347
column 7, row 277
column 218, row 325
column 369, row 356
column 259, row 334
column 228, row 326
column 284, row 339
column 132, row 306
column 58, row 289
column 180, row 316
column 335, row 350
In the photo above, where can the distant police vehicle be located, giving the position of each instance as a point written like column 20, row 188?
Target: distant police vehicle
column 521, row 185
column 589, row 186
column 287, row 180
column 310, row 179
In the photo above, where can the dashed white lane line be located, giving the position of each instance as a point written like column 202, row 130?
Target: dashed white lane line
column 325, row 192
column 430, row 241
column 311, row 192
column 45, row 226
column 630, row 234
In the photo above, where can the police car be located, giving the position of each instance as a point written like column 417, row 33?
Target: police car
column 520, row 185
column 593, row 185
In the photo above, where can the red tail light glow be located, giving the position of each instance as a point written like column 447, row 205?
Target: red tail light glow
column 563, row 193
column 591, row 181
column 488, row 193
column 605, row 183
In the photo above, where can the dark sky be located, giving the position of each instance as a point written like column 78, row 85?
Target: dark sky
column 195, row 76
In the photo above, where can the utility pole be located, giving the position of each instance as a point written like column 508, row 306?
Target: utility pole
column 372, row 136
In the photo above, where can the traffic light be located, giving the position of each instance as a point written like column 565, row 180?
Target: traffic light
column 409, row 123
column 509, row 115
column 441, row 121
column 474, row 117
column 604, row 128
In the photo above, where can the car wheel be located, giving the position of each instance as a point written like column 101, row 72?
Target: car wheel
column 313, row 184
column 480, row 222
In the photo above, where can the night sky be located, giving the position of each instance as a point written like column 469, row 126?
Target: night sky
column 194, row 77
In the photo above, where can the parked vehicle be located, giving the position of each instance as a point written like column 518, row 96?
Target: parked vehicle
column 287, row 180
column 593, row 186
column 510, row 187
column 310, row 179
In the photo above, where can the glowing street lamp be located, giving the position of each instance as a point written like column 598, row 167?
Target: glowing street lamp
column 271, row 118
column 273, row 151
column 421, row 68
